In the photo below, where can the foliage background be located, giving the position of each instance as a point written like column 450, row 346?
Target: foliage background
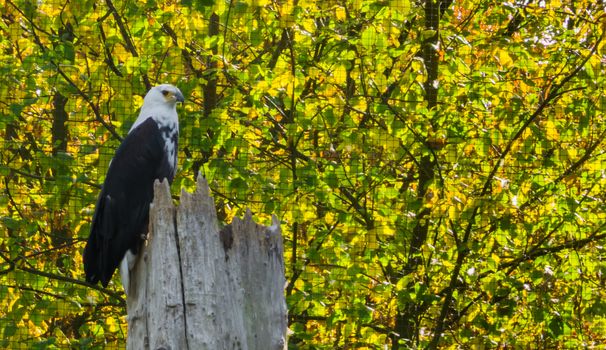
column 438, row 167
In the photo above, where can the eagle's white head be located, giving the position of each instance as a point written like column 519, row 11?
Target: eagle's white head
column 164, row 94
column 160, row 104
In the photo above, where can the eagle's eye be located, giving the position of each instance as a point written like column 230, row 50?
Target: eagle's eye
column 165, row 92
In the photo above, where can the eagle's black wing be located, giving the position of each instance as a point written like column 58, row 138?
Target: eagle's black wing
column 122, row 211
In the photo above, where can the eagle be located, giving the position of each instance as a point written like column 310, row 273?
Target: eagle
column 120, row 221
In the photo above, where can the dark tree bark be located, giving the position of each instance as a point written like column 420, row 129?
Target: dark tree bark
column 59, row 129
column 408, row 317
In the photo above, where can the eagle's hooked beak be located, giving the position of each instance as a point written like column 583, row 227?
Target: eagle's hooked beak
column 179, row 96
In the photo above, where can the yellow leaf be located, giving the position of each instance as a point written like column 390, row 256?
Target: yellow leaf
column 340, row 74
column 496, row 259
column 551, row 132
column 504, row 58
column 137, row 101
column 340, row 13
column 453, row 213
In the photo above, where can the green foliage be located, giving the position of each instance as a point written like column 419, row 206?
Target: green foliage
column 438, row 185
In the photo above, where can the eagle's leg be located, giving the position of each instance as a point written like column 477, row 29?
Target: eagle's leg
column 126, row 265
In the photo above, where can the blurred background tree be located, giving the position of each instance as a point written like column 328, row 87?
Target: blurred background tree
column 438, row 167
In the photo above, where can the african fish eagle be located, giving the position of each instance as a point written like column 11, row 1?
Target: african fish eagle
column 147, row 153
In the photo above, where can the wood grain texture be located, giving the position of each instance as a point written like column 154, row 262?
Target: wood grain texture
column 198, row 286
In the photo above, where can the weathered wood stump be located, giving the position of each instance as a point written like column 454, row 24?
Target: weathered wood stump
column 197, row 287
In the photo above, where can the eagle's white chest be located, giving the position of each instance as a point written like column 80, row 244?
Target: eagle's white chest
column 168, row 125
column 170, row 133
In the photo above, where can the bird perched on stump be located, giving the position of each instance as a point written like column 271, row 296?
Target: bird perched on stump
column 147, row 153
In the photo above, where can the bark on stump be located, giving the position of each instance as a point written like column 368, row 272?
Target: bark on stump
column 198, row 287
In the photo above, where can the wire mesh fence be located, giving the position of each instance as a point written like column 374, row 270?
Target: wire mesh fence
column 438, row 168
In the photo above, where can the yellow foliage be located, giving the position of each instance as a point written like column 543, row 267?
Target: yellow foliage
column 341, row 160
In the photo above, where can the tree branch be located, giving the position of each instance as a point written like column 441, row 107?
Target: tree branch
column 463, row 249
column 128, row 43
column 86, row 98
column 576, row 165
column 115, row 295
column 108, row 55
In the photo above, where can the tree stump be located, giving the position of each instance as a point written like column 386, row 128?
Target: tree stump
column 197, row 287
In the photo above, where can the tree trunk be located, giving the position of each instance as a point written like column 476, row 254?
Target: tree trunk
column 196, row 286
column 407, row 320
